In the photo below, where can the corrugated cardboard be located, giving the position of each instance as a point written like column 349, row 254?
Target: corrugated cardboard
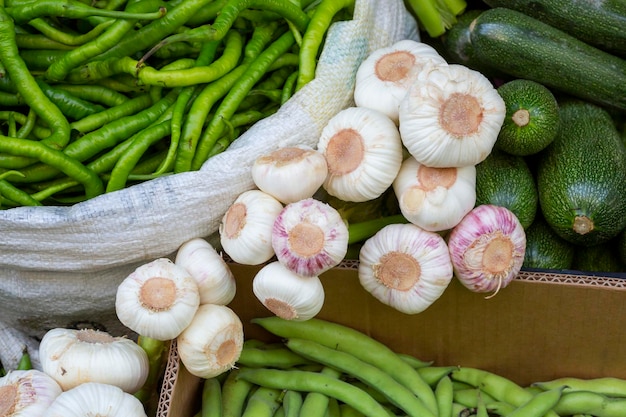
column 542, row 326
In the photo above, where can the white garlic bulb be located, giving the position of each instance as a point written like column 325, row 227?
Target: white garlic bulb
column 451, row 116
column 95, row 399
column 286, row 294
column 405, row 267
column 363, row 151
column 27, row 393
column 290, row 173
column 73, row 357
column 212, row 343
column 246, row 227
column 216, row 282
column 385, row 76
column 309, row 237
column 157, row 300
column 436, row 199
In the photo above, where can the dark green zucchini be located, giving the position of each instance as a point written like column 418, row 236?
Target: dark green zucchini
column 598, row 23
column 532, row 117
column 581, row 176
column 545, row 249
column 599, row 258
column 505, row 180
column 525, row 47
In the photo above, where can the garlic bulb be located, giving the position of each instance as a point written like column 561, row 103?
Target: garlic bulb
column 27, row 393
column 290, row 173
column 246, row 227
column 451, row 116
column 216, row 282
column 385, row 76
column 213, row 341
column 157, row 300
column 487, row 248
column 405, row 267
column 95, row 399
column 73, row 357
column 309, row 237
column 436, row 199
column 363, row 151
column 286, row 294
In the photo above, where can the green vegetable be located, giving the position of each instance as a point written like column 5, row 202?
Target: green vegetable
column 598, row 23
column 436, row 16
column 525, row 47
column 581, row 176
column 603, row 257
column 532, row 117
column 545, row 249
column 506, row 180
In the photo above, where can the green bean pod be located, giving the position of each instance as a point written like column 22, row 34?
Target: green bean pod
column 314, row 382
column 211, row 401
column 292, row 403
column 315, row 404
column 610, row 386
column 539, row 404
column 235, row 392
column 444, row 393
column 272, row 358
column 588, row 402
column 263, row 402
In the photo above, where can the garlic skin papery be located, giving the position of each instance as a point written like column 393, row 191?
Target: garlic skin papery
column 290, row 173
column 246, row 227
column 309, row 237
column 405, row 267
column 216, row 282
column 27, row 393
column 213, row 341
column 451, row 116
column 158, row 300
column 73, row 357
column 95, row 399
column 385, row 76
column 286, row 294
column 487, row 248
column 436, row 199
column 363, row 151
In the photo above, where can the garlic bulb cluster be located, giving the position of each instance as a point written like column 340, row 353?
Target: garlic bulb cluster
column 216, row 282
column 487, row 248
column 27, row 393
column 246, row 227
column 363, row 151
column 158, row 300
column 288, row 295
column 405, row 267
column 435, row 199
column 385, row 75
column 73, row 357
column 95, row 399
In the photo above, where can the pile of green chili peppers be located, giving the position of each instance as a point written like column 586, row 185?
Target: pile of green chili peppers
column 97, row 95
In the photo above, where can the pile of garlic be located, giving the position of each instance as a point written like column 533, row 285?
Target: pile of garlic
column 419, row 126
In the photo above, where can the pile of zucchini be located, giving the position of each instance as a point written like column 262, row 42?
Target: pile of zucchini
column 560, row 160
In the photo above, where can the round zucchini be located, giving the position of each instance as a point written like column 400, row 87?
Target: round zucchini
column 506, row 180
column 545, row 249
column 532, row 117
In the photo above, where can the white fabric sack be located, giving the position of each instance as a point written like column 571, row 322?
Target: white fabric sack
column 60, row 266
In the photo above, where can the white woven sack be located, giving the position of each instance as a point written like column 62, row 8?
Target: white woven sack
column 60, row 266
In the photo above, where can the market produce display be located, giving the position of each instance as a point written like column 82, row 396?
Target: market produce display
column 467, row 156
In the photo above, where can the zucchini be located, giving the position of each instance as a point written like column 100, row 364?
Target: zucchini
column 532, row 117
column 599, row 258
column 525, row 47
column 599, row 23
column 581, row 176
column 545, row 249
column 505, row 180
column 621, row 246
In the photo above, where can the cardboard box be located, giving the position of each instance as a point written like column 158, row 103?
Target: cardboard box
column 544, row 325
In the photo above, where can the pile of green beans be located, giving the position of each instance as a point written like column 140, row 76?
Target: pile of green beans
column 323, row 369
column 98, row 95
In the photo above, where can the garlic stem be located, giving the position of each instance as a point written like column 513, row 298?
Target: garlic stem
column 361, row 231
column 309, row 237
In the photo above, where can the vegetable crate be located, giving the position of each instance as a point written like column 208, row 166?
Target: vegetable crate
column 544, row 325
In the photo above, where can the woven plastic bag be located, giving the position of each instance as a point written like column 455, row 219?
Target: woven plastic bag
column 60, row 266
